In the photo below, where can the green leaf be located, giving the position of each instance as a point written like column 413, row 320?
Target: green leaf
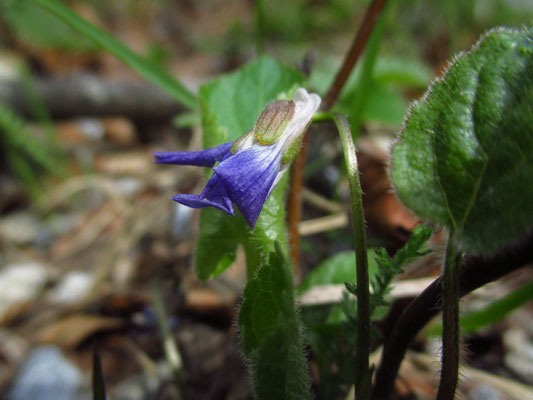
column 384, row 105
column 387, row 71
column 271, row 333
column 388, row 267
column 465, row 159
column 143, row 67
column 401, row 72
column 382, row 102
column 336, row 270
column 230, row 106
column 494, row 312
column 413, row 249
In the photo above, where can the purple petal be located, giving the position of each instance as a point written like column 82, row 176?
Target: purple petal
column 213, row 195
column 249, row 176
column 202, row 158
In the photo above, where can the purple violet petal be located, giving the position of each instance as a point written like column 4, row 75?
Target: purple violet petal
column 248, row 176
column 202, row 158
column 214, row 195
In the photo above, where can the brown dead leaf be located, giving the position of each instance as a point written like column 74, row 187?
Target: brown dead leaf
column 203, row 299
column 131, row 163
column 87, row 231
column 385, row 215
column 120, row 131
column 71, row 133
column 72, row 330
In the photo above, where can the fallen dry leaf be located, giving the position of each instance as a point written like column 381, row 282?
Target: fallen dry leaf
column 72, row 330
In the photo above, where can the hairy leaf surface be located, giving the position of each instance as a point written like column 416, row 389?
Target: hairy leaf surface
column 465, row 159
column 271, row 333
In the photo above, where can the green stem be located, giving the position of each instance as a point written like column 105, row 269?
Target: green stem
column 119, row 50
column 450, row 322
column 170, row 346
column 323, row 116
column 362, row 378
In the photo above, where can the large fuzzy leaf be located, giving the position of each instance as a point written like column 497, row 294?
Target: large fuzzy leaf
column 465, row 159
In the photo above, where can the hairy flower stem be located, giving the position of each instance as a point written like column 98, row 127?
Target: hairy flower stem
column 450, row 322
column 362, row 380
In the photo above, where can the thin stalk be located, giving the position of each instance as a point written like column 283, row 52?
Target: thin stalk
column 362, row 378
column 140, row 65
column 358, row 45
column 322, row 117
column 170, row 346
column 450, row 322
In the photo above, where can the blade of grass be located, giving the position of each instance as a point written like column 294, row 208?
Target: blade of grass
column 130, row 58
column 260, row 25
column 41, row 114
column 366, row 79
column 98, row 384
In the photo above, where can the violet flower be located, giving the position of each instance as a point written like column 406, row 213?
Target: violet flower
column 251, row 167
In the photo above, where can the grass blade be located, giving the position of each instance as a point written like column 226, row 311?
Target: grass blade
column 98, row 384
column 130, row 58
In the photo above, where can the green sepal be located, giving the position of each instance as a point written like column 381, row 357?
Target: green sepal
column 273, row 120
column 236, row 144
column 291, row 152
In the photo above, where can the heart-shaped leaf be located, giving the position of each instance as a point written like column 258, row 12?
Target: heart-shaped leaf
column 465, row 159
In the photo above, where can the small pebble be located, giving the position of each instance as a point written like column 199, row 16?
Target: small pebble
column 46, row 375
